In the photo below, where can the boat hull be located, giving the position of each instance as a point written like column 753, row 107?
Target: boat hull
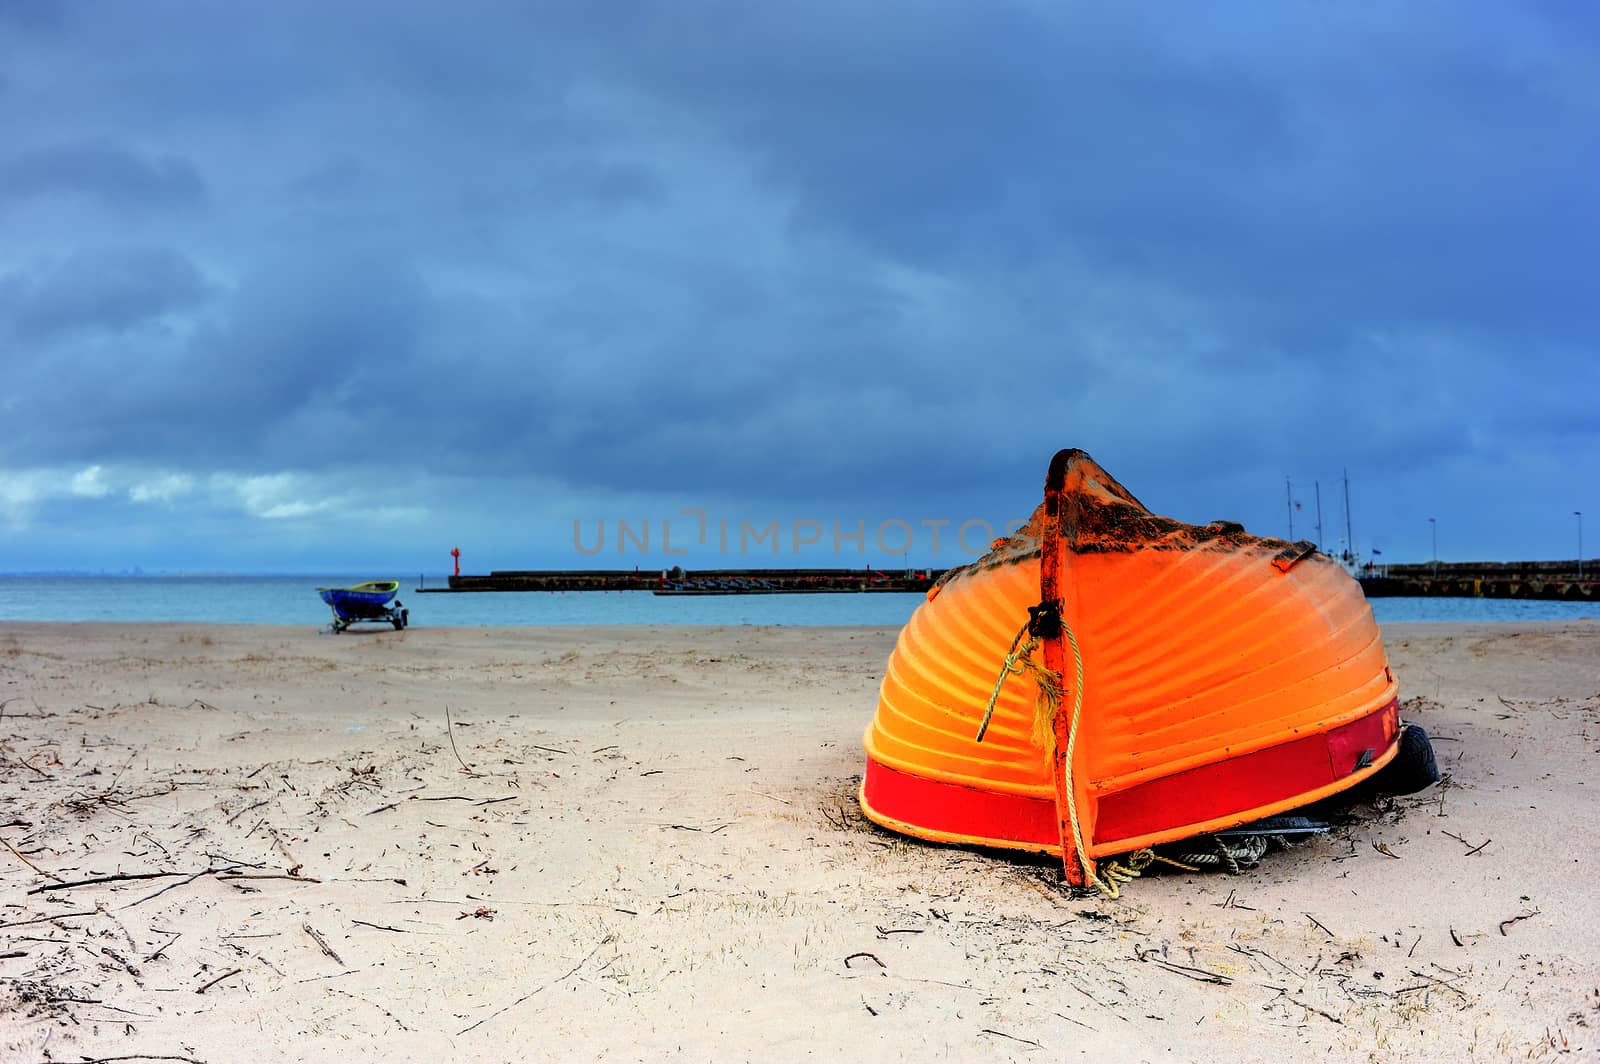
column 364, row 601
column 1225, row 677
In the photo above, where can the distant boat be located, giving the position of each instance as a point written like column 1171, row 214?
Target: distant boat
column 1163, row 681
column 1366, row 568
column 365, row 602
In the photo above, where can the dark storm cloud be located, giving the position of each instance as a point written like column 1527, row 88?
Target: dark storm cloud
column 314, row 340
column 845, row 254
column 1374, row 174
column 106, row 289
column 1348, row 221
column 115, row 176
column 976, row 130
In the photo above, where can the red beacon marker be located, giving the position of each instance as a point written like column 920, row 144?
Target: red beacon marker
column 455, row 552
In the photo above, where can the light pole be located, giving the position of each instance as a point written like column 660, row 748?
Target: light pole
column 1579, row 515
column 1434, row 525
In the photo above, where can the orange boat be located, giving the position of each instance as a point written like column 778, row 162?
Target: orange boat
column 1107, row 680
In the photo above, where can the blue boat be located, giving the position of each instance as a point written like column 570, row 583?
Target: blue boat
column 365, row 602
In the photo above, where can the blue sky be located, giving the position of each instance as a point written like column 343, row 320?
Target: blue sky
column 296, row 286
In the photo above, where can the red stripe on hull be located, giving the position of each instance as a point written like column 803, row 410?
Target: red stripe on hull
column 950, row 808
column 1263, row 778
column 1252, row 781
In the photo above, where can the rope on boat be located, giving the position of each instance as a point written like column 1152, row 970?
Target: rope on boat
column 1110, row 889
column 1019, row 660
column 1117, row 873
column 1237, row 855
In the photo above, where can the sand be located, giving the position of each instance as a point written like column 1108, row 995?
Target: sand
column 642, row 844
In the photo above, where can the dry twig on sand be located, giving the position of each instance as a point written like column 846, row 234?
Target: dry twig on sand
column 316, row 937
column 543, row 986
column 136, row 1056
column 120, row 877
column 53, row 916
column 1517, row 919
column 15, row 852
column 1014, row 1038
column 449, row 729
column 1200, row 975
column 218, row 979
column 183, row 882
column 1320, row 924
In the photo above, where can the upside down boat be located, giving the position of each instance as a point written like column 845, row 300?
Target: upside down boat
column 1175, row 680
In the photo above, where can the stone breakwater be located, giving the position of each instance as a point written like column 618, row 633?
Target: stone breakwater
column 676, row 581
column 1559, row 580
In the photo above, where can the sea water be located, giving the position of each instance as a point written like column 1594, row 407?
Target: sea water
column 293, row 600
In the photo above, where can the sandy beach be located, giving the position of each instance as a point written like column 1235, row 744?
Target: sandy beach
column 643, row 844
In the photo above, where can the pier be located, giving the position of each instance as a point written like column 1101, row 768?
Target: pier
column 1559, row 580
column 677, row 581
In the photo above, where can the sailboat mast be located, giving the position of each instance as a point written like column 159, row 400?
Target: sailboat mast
column 1288, row 495
column 1317, row 485
column 1349, row 536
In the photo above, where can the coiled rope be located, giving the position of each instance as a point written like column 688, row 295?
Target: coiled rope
column 1236, row 854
